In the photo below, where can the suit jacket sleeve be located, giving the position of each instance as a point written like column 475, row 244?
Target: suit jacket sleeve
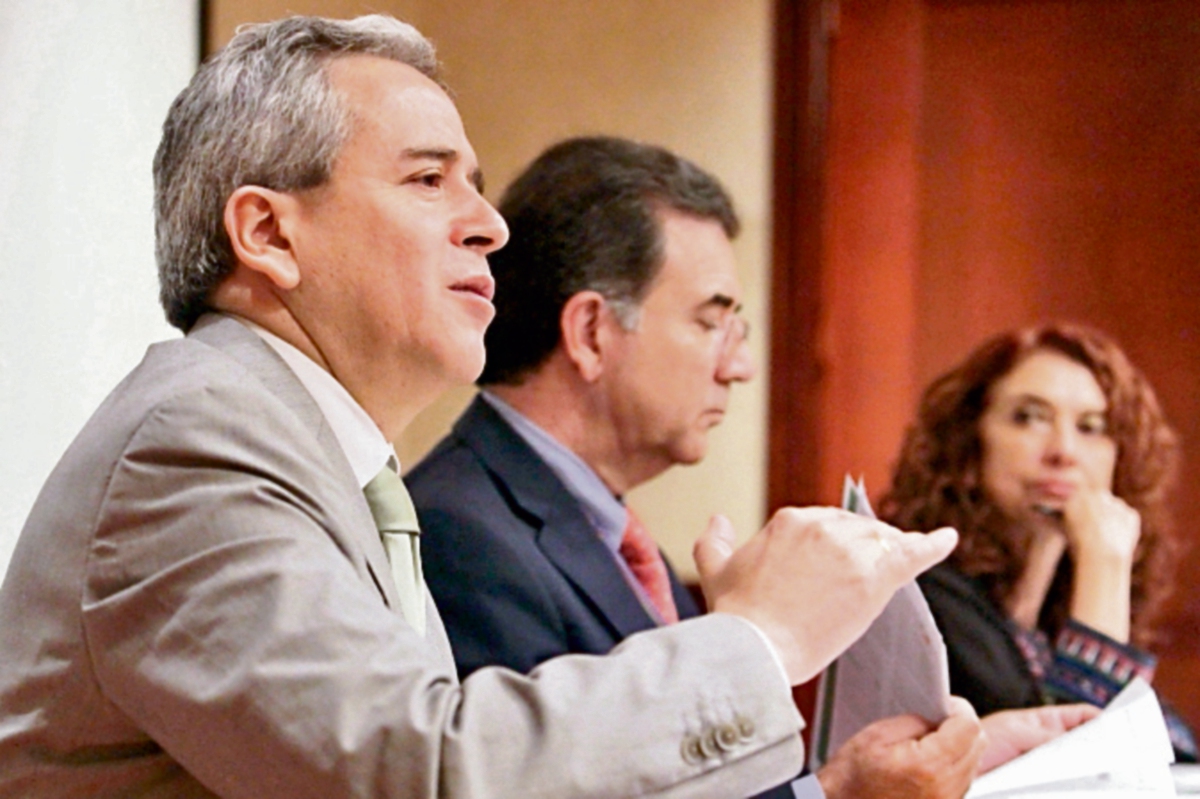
column 502, row 608
column 226, row 612
column 519, row 575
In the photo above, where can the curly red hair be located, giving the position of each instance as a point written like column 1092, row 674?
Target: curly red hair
column 936, row 482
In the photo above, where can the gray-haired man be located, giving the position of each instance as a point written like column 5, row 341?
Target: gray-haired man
column 200, row 604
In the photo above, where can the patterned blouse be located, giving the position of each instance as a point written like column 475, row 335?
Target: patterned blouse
column 1084, row 665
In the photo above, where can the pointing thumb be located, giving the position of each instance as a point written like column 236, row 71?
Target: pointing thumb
column 924, row 550
column 713, row 548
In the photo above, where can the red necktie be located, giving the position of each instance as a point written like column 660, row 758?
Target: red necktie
column 646, row 562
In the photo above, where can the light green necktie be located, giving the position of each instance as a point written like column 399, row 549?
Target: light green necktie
column 396, row 519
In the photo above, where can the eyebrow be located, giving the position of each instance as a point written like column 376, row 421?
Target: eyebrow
column 1043, row 401
column 1027, row 398
column 722, row 301
column 446, row 155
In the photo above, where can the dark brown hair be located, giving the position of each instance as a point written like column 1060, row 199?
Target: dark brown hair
column 937, row 483
column 586, row 215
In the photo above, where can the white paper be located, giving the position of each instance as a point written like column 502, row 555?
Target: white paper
column 1125, row 751
column 898, row 666
column 1187, row 778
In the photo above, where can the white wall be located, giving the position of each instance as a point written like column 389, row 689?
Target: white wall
column 84, row 87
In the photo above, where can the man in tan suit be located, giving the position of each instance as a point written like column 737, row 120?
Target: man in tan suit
column 199, row 603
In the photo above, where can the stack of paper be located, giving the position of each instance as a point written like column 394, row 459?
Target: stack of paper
column 1125, row 751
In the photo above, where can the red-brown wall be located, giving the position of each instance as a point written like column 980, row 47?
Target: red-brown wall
column 990, row 165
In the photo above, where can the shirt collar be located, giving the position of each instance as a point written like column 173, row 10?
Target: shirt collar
column 606, row 512
column 359, row 437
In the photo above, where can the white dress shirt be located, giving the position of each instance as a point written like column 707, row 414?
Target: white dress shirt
column 359, row 437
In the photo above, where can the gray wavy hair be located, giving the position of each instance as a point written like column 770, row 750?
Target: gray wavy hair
column 259, row 112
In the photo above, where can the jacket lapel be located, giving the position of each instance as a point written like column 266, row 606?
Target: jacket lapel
column 352, row 526
column 561, row 530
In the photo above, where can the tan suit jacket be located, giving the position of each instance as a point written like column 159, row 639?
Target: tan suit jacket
column 199, row 605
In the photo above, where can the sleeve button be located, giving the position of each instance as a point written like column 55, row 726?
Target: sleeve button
column 727, row 737
column 745, row 728
column 693, row 752
column 708, row 743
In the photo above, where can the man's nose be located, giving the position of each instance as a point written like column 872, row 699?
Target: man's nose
column 736, row 363
column 482, row 228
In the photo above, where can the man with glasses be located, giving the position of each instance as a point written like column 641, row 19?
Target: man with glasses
column 616, row 344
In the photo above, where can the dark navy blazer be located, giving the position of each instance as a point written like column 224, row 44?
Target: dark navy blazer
column 517, row 570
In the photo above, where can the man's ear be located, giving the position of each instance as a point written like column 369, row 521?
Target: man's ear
column 253, row 220
column 585, row 325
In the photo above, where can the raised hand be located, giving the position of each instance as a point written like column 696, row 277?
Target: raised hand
column 1102, row 533
column 1099, row 524
column 813, row 579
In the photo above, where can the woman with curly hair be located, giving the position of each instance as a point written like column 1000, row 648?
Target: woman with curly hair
column 1047, row 450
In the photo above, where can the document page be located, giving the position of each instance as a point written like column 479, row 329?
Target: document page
column 898, row 666
column 1125, row 751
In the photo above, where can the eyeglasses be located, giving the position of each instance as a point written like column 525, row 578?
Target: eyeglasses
column 737, row 330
